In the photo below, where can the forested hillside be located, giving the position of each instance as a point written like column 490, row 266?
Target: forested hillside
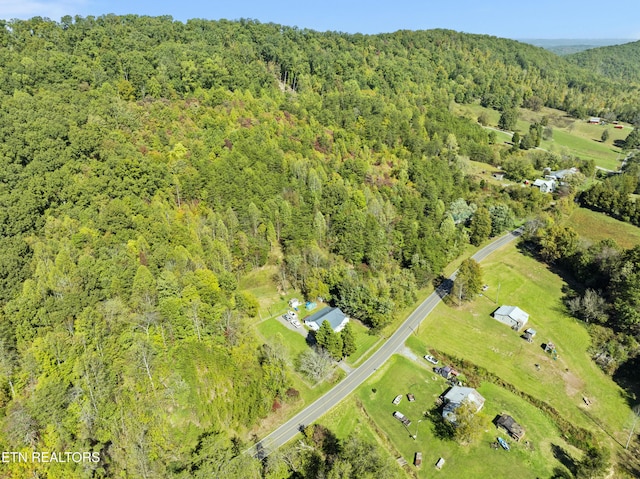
column 147, row 165
column 619, row 62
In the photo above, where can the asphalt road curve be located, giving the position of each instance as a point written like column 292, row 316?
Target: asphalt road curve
column 315, row 410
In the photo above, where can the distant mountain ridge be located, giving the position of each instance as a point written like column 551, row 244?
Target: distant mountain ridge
column 568, row 46
column 620, row 62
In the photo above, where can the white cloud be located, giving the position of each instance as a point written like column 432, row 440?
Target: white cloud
column 53, row 9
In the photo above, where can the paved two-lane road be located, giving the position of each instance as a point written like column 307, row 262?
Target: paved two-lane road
column 313, row 412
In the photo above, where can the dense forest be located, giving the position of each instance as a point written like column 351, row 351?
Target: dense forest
column 621, row 62
column 148, row 164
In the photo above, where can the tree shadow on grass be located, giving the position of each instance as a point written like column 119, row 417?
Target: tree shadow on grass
column 565, row 459
column 561, row 473
column 442, row 428
column 627, row 377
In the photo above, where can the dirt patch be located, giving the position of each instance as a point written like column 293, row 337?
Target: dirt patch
column 572, row 383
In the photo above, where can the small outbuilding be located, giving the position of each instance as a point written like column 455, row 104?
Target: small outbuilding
column 512, row 316
column 529, row 334
column 294, row 303
column 515, row 430
column 440, row 463
column 446, row 372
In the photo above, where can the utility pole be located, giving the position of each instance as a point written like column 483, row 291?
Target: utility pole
column 415, row 436
column 636, row 414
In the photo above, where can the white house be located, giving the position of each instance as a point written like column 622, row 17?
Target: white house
column 336, row 318
column 512, row 316
column 546, row 186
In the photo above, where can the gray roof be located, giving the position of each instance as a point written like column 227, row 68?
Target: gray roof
column 457, row 394
column 454, row 398
column 334, row 315
column 513, row 312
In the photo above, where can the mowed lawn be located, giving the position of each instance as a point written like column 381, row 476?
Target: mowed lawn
column 597, row 226
column 532, row 458
column 603, row 154
column 470, row 333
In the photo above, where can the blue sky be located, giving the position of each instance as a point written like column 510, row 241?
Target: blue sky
column 505, row 18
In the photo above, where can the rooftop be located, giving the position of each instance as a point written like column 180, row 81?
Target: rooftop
column 334, row 316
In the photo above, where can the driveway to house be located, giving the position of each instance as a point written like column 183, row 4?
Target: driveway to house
column 302, row 330
column 315, row 410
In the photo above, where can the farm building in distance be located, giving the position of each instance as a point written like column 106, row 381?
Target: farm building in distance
column 512, row 316
column 337, row 319
column 559, row 175
column 515, row 430
column 546, row 186
column 455, row 397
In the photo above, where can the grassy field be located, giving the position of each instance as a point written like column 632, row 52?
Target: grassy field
column 470, row 333
column 604, row 154
column 598, row 226
column 574, row 136
column 364, row 343
column 401, row 375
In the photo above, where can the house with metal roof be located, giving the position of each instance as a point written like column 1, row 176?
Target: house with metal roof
column 512, row 316
column 454, row 398
column 546, row 186
column 336, row 318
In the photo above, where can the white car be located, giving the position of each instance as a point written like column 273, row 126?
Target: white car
column 296, row 323
column 431, row 359
column 397, row 399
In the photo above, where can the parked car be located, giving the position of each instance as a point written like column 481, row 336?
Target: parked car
column 286, row 317
column 431, row 359
column 397, row 399
column 296, row 323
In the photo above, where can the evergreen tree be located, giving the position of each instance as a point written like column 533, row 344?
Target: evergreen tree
column 468, row 282
column 323, row 335
column 480, row 226
column 348, row 340
column 594, row 464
